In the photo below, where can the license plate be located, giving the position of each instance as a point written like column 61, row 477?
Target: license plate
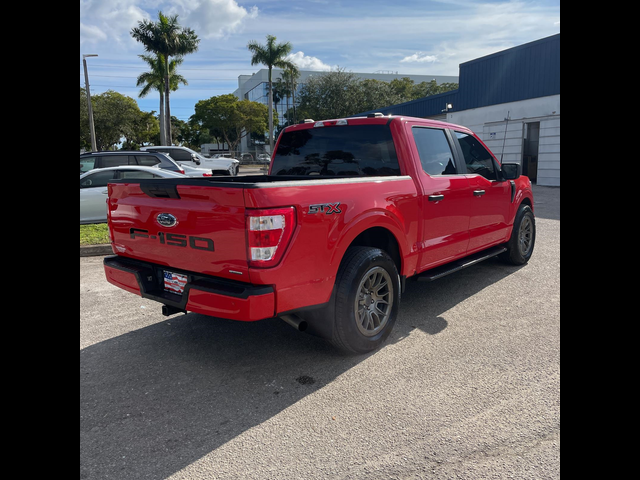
column 174, row 282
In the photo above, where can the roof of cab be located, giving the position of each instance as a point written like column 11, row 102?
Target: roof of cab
column 371, row 119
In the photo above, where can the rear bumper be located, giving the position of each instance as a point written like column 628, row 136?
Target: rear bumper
column 202, row 294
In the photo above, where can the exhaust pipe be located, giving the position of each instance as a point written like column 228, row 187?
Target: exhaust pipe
column 295, row 321
column 169, row 310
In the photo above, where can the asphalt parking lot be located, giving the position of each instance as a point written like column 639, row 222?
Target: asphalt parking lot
column 467, row 386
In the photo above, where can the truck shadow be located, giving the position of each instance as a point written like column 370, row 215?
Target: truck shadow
column 423, row 303
column 157, row 399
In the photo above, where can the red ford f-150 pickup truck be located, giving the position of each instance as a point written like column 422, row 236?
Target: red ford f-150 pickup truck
column 349, row 210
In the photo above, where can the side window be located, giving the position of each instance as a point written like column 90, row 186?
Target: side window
column 97, row 179
column 87, row 164
column 434, row 151
column 136, row 174
column 179, row 155
column 116, row 160
column 476, row 156
column 147, row 160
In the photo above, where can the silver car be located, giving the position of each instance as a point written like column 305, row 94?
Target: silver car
column 93, row 187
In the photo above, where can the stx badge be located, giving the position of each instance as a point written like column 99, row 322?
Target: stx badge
column 328, row 208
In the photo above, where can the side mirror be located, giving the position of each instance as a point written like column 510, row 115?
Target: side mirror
column 195, row 158
column 511, row 171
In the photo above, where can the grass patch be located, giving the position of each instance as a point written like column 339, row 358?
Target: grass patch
column 94, row 234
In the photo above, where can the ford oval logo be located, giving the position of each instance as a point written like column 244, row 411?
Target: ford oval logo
column 167, row 220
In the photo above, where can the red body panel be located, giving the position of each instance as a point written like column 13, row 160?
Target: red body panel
column 248, row 310
column 210, row 237
column 202, row 213
column 306, row 273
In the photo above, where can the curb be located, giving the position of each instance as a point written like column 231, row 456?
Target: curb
column 95, row 250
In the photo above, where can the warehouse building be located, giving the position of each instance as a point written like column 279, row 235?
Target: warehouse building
column 511, row 99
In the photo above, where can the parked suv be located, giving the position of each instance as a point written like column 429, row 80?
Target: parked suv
column 91, row 160
column 184, row 155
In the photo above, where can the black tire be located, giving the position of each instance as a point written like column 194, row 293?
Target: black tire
column 523, row 237
column 367, row 300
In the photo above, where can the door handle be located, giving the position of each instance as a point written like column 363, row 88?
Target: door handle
column 435, row 198
column 478, row 193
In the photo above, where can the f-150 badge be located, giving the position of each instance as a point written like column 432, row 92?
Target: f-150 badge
column 328, row 208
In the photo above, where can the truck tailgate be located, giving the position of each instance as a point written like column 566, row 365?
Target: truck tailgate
column 209, row 231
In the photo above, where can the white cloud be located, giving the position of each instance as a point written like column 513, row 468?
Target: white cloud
column 113, row 20
column 100, row 21
column 419, row 58
column 91, row 34
column 308, row 63
column 215, row 18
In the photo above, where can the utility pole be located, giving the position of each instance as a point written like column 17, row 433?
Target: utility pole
column 94, row 148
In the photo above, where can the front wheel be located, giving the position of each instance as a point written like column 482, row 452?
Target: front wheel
column 523, row 237
column 367, row 299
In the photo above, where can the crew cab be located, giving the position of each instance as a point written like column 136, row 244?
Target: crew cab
column 349, row 210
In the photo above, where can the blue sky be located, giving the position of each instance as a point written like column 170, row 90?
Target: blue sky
column 426, row 37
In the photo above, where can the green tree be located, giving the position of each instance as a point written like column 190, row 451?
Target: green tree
column 403, row 88
column 285, row 87
column 115, row 117
column 166, row 38
column 280, row 93
column 335, row 94
column 85, row 136
column 144, row 129
column 290, row 77
column 340, row 94
column 271, row 55
column 230, row 118
column 376, row 94
column 154, row 80
column 425, row 89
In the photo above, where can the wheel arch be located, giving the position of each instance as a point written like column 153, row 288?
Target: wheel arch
column 378, row 231
column 380, row 237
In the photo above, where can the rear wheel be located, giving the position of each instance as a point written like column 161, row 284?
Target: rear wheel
column 367, row 299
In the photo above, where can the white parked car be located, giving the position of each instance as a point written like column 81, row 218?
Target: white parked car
column 184, row 155
column 191, row 171
column 93, row 187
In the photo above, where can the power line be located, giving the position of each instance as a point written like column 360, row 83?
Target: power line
column 191, row 80
column 133, row 86
column 181, row 68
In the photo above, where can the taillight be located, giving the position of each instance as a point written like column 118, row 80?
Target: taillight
column 181, row 171
column 268, row 234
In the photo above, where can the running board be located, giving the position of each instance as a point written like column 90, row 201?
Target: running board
column 439, row 272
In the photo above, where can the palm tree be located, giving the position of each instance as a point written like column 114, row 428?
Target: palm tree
column 166, row 38
column 280, row 93
column 290, row 77
column 271, row 55
column 154, row 80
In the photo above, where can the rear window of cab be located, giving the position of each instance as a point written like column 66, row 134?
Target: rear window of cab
column 349, row 150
